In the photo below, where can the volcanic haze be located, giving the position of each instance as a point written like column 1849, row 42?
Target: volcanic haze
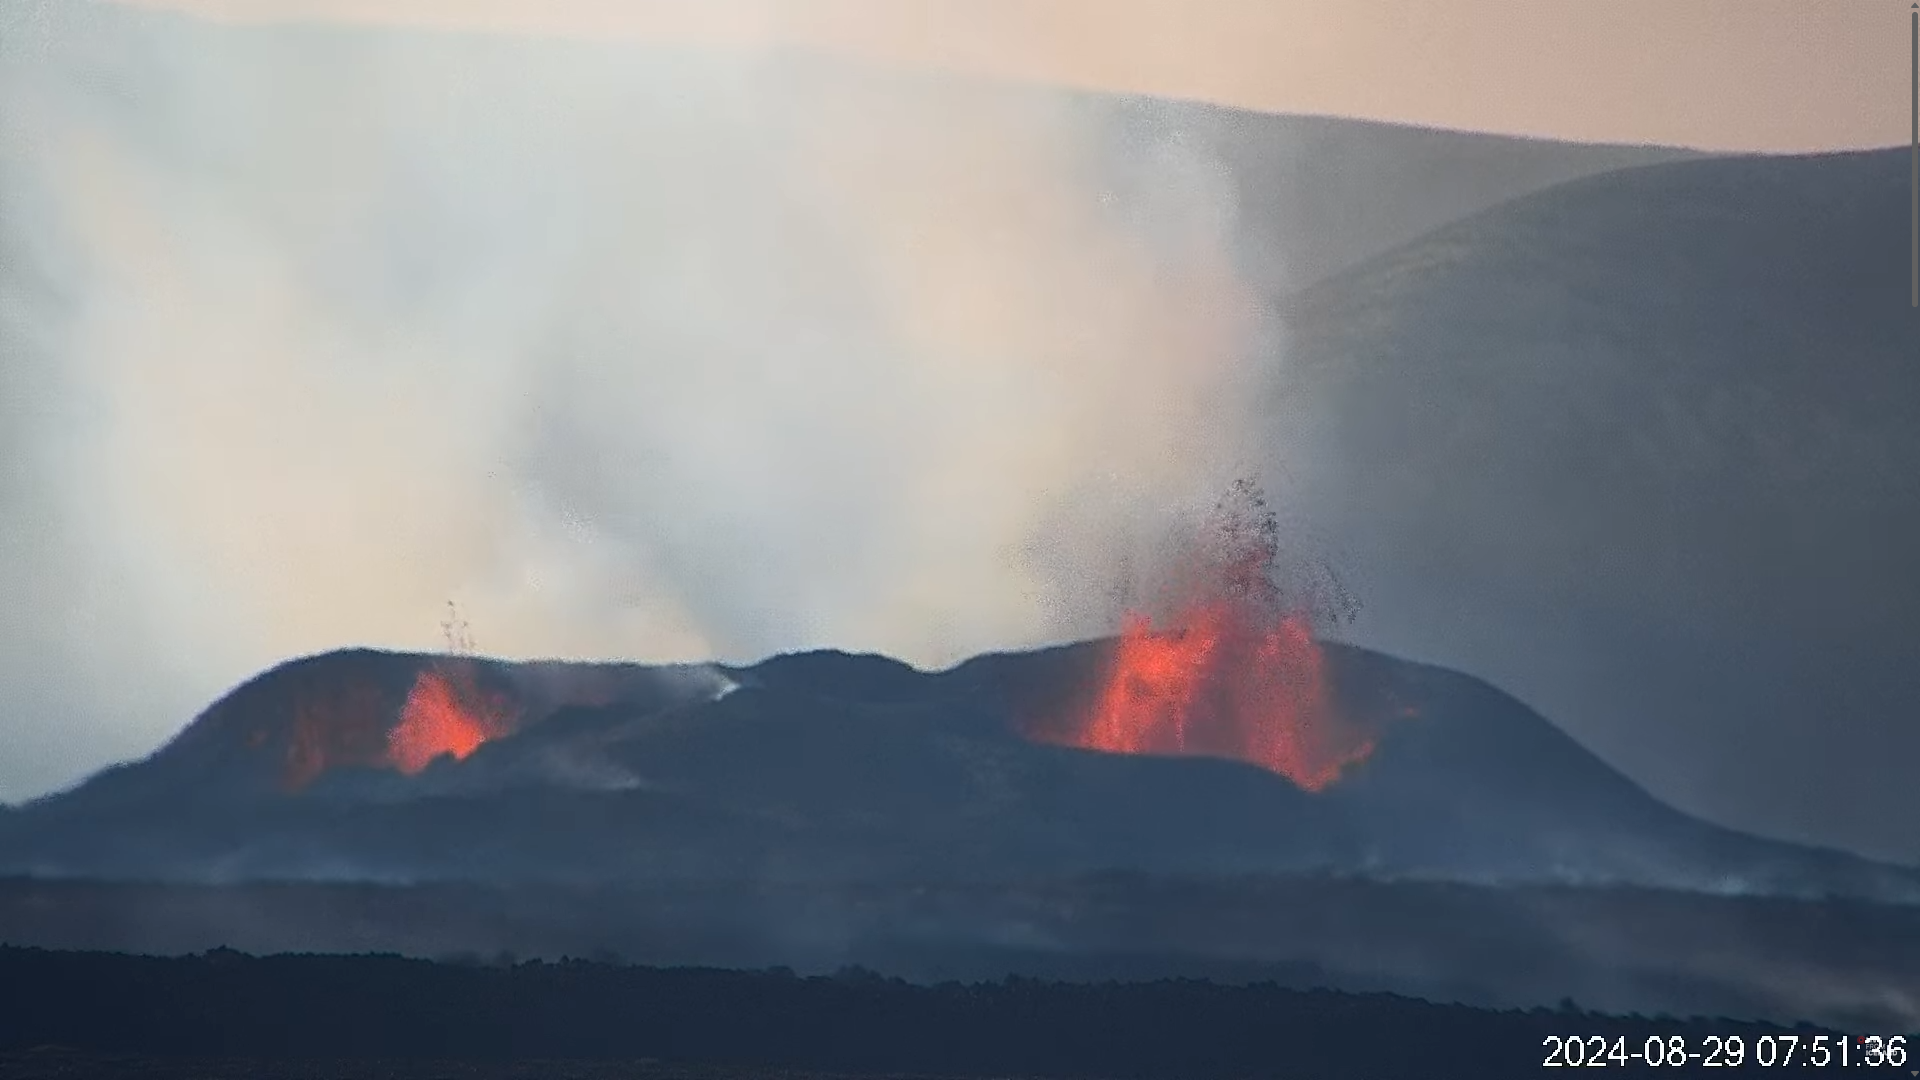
column 634, row 352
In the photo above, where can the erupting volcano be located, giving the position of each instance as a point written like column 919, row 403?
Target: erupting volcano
column 445, row 713
column 375, row 712
column 1233, row 672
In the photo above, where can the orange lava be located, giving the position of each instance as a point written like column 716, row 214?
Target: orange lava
column 444, row 714
column 1213, row 686
column 352, row 710
column 1235, row 673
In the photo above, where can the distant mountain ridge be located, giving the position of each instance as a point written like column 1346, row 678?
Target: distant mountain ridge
column 1318, row 196
column 1635, row 447
column 1311, row 196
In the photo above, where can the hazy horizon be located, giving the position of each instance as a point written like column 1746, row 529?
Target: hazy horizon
column 1718, row 75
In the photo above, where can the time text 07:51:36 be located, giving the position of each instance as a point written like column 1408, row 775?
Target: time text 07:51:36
column 1731, row 1051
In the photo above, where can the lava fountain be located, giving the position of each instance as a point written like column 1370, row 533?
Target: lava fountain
column 1234, row 670
column 446, row 714
column 348, row 711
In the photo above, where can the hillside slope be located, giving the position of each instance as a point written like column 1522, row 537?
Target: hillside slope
column 1638, row 449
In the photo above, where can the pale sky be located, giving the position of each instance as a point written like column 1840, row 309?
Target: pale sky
column 1764, row 75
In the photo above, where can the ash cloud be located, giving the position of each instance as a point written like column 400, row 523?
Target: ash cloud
column 634, row 352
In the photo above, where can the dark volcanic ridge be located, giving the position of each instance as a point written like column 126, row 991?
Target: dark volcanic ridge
column 829, row 767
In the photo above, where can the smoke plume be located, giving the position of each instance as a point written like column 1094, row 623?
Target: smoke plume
column 633, row 352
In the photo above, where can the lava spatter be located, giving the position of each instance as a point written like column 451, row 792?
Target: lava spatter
column 445, row 714
column 1234, row 671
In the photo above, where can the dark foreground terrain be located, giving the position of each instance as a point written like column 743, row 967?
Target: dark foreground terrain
column 65, row 1063
column 1850, row 964
column 228, row 1012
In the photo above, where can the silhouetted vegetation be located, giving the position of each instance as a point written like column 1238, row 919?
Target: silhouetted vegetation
column 225, row 1004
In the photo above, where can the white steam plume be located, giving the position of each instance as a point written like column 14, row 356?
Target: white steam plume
column 637, row 353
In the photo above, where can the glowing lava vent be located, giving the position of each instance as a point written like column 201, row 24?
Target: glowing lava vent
column 1232, row 671
column 445, row 713
column 348, row 713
